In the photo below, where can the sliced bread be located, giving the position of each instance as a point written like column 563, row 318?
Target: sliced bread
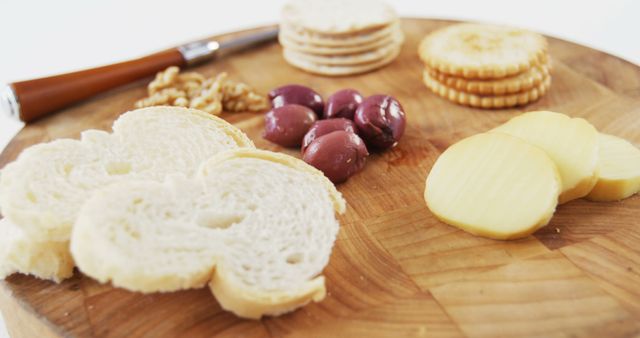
column 42, row 191
column 257, row 226
column 19, row 253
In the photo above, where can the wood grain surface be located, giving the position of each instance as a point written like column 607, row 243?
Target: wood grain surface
column 395, row 271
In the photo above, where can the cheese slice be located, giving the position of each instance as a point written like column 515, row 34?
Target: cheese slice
column 619, row 170
column 493, row 185
column 572, row 143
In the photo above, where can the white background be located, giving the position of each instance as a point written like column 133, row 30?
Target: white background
column 47, row 37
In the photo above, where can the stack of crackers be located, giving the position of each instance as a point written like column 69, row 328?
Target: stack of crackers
column 486, row 66
column 339, row 37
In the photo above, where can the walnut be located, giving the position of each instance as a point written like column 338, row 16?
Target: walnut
column 240, row 97
column 165, row 97
column 165, row 79
column 212, row 95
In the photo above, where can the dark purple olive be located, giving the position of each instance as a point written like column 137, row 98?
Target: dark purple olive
column 339, row 155
column 381, row 121
column 297, row 94
column 324, row 127
column 288, row 124
column 342, row 103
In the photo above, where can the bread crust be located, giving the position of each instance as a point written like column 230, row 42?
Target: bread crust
column 254, row 304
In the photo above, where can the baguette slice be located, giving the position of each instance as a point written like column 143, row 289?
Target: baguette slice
column 42, row 191
column 19, row 253
column 257, row 226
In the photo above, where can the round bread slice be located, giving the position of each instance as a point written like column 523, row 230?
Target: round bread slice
column 338, row 17
column 257, row 226
column 42, row 191
column 478, row 51
column 493, row 185
column 304, row 37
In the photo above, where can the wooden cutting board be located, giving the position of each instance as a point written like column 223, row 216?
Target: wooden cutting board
column 395, row 270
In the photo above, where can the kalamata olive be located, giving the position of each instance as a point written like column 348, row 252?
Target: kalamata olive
column 324, row 127
column 342, row 103
column 297, row 94
column 339, row 155
column 288, row 124
column 381, row 121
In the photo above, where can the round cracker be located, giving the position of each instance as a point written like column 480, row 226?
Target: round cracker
column 340, row 70
column 397, row 37
column 489, row 101
column 508, row 85
column 321, row 40
column 477, row 51
column 337, row 16
column 348, row 59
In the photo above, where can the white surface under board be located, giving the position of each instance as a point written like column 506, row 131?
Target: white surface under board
column 47, row 37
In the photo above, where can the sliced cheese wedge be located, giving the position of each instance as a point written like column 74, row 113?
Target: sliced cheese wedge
column 494, row 185
column 572, row 143
column 619, row 170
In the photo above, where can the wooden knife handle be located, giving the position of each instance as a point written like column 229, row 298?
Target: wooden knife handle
column 42, row 96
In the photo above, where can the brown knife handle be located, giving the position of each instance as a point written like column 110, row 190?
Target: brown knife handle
column 40, row 97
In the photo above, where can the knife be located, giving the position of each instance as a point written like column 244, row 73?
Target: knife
column 32, row 99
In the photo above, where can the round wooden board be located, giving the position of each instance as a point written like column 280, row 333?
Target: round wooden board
column 395, row 270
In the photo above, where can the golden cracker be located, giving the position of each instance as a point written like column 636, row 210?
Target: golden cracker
column 489, row 101
column 508, row 85
column 477, row 51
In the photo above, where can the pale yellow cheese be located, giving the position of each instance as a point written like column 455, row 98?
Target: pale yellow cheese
column 494, row 185
column 619, row 170
column 572, row 143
